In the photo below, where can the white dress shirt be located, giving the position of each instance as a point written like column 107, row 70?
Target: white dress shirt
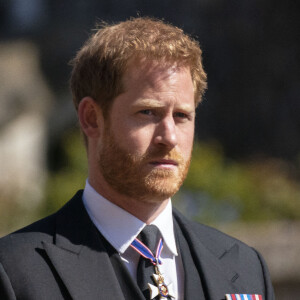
column 120, row 228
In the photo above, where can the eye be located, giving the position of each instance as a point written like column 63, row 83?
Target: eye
column 181, row 115
column 147, row 112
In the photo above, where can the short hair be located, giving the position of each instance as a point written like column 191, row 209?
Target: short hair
column 100, row 64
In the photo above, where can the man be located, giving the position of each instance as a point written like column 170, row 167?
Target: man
column 135, row 87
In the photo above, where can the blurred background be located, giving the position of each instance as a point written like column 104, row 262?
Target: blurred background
column 245, row 172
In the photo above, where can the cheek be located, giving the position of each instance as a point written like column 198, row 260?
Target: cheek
column 187, row 149
column 134, row 140
column 186, row 142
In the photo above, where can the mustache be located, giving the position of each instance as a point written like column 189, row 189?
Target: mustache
column 163, row 154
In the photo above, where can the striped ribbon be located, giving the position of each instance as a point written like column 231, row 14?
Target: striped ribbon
column 243, row 297
column 143, row 250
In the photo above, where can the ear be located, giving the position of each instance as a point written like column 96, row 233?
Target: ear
column 90, row 117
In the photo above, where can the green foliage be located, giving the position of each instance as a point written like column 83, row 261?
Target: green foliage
column 13, row 215
column 62, row 185
column 253, row 190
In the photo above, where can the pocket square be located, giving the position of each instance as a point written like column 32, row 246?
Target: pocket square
column 243, row 297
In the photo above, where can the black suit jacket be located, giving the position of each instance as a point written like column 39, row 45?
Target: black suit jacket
column 65, row 257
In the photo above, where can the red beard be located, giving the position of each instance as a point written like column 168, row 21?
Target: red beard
column 133, row 175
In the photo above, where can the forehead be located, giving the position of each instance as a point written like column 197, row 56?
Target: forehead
column 153, row 74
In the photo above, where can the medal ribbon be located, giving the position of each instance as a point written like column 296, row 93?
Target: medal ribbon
column 143, row 250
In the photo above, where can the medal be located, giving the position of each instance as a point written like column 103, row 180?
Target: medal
column 162, row 289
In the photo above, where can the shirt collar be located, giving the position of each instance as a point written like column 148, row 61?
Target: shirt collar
column 119, row 227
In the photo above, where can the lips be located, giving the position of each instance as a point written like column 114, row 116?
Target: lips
column 164, row 162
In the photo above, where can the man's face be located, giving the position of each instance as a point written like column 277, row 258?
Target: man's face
column 146, row 148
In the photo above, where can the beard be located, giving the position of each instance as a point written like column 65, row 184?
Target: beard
column 134, row 176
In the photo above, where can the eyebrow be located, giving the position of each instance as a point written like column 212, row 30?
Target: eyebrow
column 148, row 102
column 152, row 103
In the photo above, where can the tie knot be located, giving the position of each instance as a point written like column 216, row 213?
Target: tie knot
column 150, row 236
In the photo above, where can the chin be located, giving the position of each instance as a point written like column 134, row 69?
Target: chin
column 158, row 191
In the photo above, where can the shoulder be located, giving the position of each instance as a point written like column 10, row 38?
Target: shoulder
column 205, row 233
column 27, row 238
column 218, row 243
column 22, row 256
column 31, row 237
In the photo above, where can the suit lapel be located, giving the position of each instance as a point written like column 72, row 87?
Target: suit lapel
column 216, row 276
column 128, row 285
column 79, row 255
column 192, row 279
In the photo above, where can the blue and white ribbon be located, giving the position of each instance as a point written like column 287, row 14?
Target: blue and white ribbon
column 143, row 250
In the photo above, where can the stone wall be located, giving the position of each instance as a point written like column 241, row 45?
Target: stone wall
column 24, row 105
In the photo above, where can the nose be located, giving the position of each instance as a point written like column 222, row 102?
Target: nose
column 165, row 134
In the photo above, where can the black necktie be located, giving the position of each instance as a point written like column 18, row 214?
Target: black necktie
column 149, row 236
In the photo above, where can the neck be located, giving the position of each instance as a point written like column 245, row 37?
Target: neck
column 144, row 209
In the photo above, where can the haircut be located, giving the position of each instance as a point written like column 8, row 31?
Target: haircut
column 99, row 66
